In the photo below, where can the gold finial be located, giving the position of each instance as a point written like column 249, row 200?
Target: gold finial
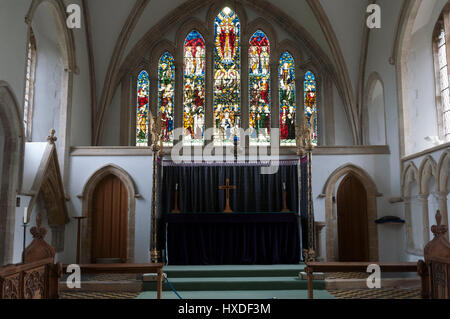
column 52, row 138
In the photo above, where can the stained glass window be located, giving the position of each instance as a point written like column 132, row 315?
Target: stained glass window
column 166, row 92
column 259, row 89
column 142, row 111
column 227, row 78
column 194, row 89
column 29, row 85
column 286, row 77
column 311, row 103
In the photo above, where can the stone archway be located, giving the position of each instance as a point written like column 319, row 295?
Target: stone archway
column 331, row 216
column 11, row 170
column 88, row 200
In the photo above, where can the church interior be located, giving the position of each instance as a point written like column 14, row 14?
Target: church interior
column 200, row 149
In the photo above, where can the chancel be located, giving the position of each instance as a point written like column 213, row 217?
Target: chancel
column 224, row 149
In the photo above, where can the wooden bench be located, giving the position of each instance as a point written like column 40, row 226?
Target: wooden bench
column 125, row 269
column 327, row 267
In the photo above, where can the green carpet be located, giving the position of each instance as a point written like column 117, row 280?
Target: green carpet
column 234, row 271
column 236, row 282
column 249, row 294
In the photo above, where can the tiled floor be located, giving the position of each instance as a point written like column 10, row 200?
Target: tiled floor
column 376, row 294
column 99, row 295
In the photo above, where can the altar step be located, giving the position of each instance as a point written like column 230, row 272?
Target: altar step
column 233, row 278
column 234, row 271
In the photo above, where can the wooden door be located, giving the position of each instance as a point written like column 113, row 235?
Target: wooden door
column 110, row 220
column 352, row 220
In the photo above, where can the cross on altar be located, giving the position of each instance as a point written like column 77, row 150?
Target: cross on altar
column 227, row 189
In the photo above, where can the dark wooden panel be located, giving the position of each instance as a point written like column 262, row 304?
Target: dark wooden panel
column 352, row 220
column 110, row 220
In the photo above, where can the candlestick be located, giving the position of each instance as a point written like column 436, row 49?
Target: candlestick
column 24, row 241
column 25, row 215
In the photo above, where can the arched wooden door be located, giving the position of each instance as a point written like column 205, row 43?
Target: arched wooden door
column 110, row 221
column 352, row 220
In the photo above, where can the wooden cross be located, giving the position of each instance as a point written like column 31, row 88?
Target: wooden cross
column 227, row 189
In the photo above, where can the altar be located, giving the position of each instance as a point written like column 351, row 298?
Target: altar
column 232, row 239
column 213, row 214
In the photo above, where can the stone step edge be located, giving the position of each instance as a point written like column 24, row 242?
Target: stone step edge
column 395, row 283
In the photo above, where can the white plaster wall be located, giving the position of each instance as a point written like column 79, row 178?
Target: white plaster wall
column 13, row 40
column 111, row 131
column 49, row 70
column 107, row 20
column 81, row 130
column 343, row 133
column 380, row 47
column 347, row 19
column 140, row 170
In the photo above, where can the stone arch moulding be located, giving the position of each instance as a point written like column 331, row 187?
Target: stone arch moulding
column 11, row 179
column 331, row 222
column 88, row 197
column 427, row 169
column 372, row 80
column 68, row 53
column 410, row 178
column 410, row 175
column 183, row 13
column 443, row 176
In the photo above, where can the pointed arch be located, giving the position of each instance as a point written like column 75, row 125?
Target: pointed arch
column 443, row 172
column 373, row 80
column 410, row 175
column 11, row 170
column 87, row 210
column 330, row 213
column 427, row 170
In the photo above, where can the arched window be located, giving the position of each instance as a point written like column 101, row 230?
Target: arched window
column 227, row 78
column 442, row 54
column 311, row 104
column 29, row 85
column 259, row 88
column 166, row 92
column 142, row 119
column 286, row 75
column 194, row 89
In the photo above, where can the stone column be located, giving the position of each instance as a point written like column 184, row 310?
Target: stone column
column 425, row 219
column 408, row 217
column 444, row 209
column 319, row 227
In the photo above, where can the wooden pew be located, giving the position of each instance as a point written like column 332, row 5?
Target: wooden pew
column 125, row 269
column 327, row 267
column 435, row 270
column 38, row 277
